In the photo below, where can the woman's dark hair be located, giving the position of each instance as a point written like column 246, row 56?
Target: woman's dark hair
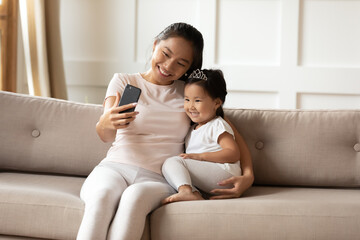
column 214, row 85
column 190, row 34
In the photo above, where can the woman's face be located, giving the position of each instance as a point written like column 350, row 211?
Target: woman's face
column 170, row 60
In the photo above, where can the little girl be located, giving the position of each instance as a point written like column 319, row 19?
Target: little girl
column 211, row 151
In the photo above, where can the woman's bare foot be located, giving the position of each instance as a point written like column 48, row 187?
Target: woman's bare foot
column 185, row 194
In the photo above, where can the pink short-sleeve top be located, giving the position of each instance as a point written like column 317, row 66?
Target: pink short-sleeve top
column 159, row 130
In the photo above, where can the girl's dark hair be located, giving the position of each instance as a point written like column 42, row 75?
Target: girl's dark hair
column 190, row 34
column 215, row 86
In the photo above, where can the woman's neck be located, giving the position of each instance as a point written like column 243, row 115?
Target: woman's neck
column 149, row 77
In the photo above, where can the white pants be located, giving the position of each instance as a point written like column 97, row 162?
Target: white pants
column 117, row 199
column 197, row 174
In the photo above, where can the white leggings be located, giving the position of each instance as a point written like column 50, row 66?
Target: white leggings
column 197, row 174
column 117, row 199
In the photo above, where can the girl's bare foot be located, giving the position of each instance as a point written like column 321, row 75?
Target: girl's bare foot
column 185, row 194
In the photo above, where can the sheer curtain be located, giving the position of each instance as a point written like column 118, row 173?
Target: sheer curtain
column 42, row 47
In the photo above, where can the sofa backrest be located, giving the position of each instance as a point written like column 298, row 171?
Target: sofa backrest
column 288, row 147
column 302, row 147
column 49, row 135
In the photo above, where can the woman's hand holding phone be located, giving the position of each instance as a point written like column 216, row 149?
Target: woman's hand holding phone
column 117, row 117
column 112, row 118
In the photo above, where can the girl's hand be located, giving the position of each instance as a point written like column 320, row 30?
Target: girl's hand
column 195, row 156
column 240, row 185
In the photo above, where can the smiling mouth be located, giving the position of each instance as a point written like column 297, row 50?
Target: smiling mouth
column 194, row 114
column 163, row 73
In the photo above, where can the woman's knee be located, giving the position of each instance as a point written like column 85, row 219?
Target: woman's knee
column 135, row 194
column 147, row 195
column 102, row 197
column 102, row 185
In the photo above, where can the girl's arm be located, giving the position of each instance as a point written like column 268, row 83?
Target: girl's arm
column 240, row 183
column 228, row 154
column 111, row 119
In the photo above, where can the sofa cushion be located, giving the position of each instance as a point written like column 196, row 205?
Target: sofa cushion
column 302, row 147
column 263, row 213
column 49, row 135
column 40, row 206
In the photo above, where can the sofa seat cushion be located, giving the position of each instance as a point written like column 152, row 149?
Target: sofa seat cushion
column 40, row 206
column 264, row 213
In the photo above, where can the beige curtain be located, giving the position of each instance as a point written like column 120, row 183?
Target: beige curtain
column 42, row 47
column 8, row 44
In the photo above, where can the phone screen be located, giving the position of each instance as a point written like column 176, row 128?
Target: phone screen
column 131, row 94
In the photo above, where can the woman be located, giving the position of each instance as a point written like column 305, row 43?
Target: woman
column 127, row 184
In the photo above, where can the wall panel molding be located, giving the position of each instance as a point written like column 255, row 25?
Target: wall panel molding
column 330, row 33
column 248, row 32
column 328, row 100
column 274, row 53
column 252, row 99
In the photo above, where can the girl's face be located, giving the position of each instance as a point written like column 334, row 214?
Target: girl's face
column 170, row 60
column 198, row 105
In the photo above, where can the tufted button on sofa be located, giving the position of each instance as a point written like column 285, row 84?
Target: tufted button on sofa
column 35, row 133
column 259, row 145
column 357, row 147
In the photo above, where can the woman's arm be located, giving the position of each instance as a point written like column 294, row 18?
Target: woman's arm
column 228, row 154
column 111, row 119
column 240, row 183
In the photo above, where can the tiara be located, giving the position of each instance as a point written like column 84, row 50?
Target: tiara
column 198, row 74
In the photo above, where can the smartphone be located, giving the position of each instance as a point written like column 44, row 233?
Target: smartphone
column 131, row 94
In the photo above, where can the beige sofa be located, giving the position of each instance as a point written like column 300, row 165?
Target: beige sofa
column 306, row 163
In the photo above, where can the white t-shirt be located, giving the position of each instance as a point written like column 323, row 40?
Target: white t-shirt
column 159, row 130
column 205, row 139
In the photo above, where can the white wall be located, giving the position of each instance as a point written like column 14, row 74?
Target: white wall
column 274, row 53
